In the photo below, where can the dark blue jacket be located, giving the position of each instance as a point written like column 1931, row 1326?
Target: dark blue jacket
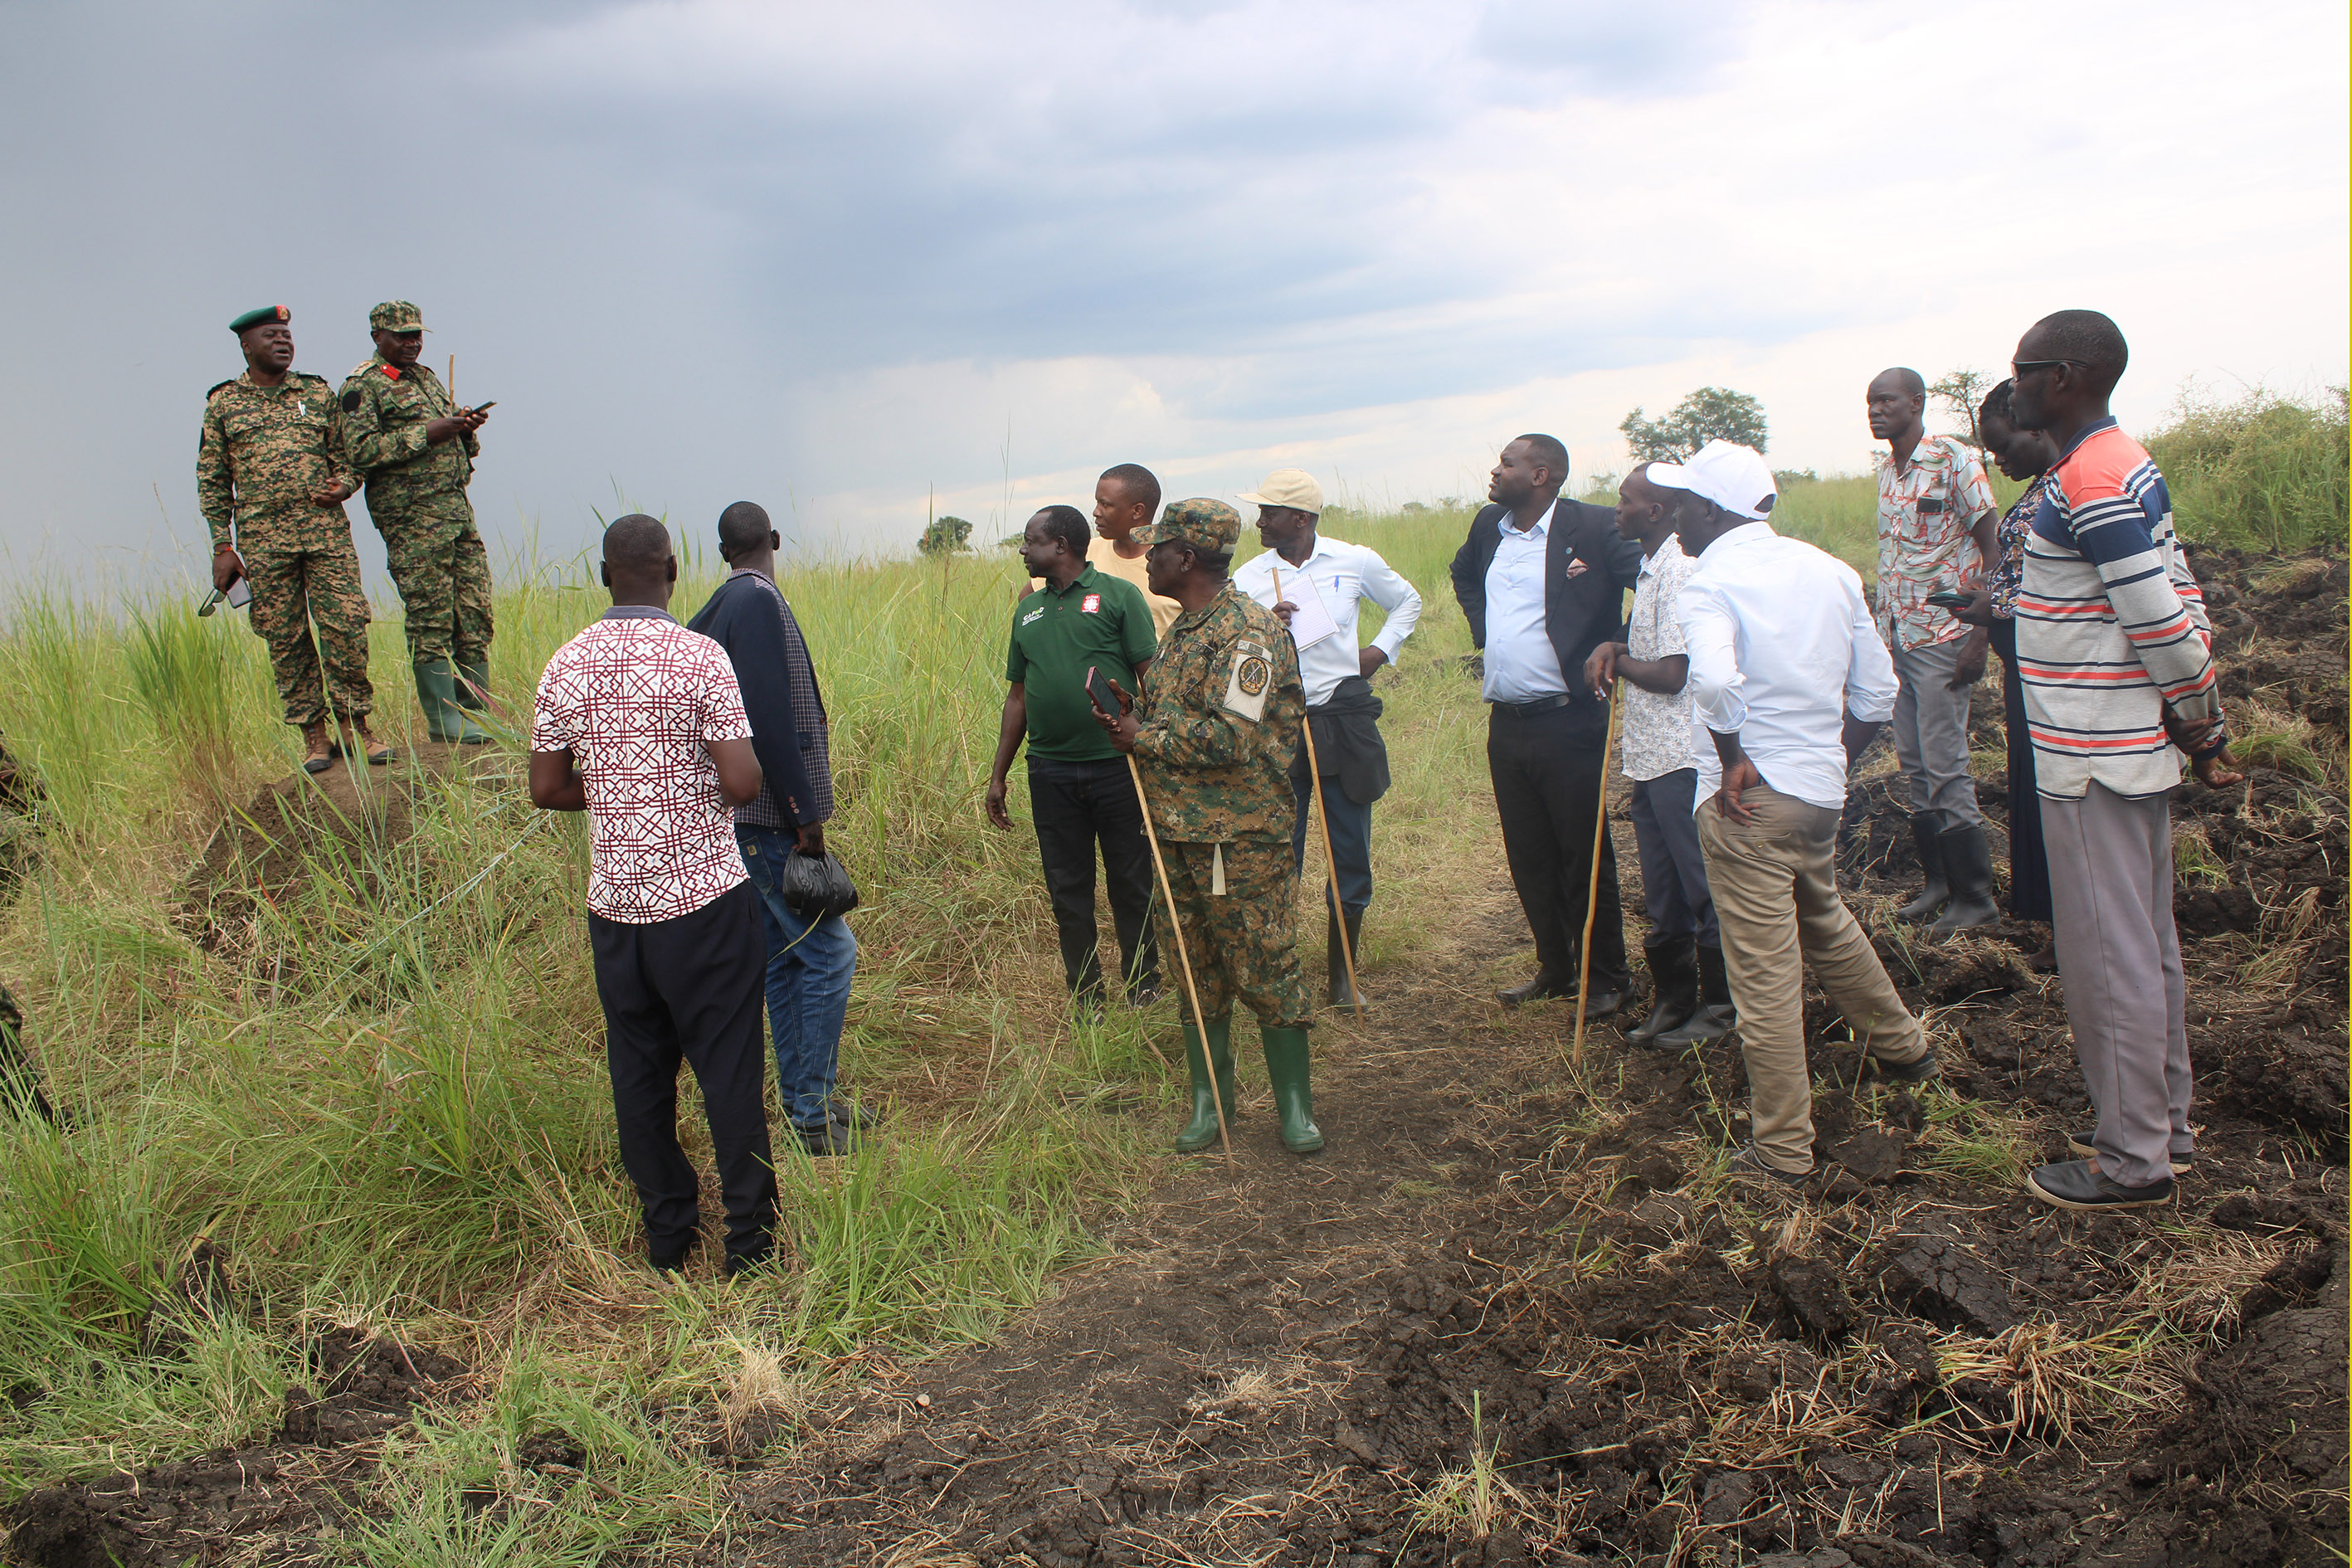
column 746, row 617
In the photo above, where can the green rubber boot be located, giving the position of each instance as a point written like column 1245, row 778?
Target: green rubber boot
column 1201, row 1130
column 1286, row 1066
column 437, row 690
column 473, row 680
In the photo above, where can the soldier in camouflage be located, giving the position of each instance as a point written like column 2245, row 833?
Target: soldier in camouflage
column 271, row 480
column 1214, row 736
column 416, row 447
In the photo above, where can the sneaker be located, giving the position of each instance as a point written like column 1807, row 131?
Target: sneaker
column 827, row 1140
column 2074, row 1185
column 1920, row 1071
column 2080, row 1144
column 1748, row 1165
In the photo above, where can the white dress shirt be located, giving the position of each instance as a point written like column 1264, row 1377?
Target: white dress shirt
column 1344, row 574
column 1521, row 664
column 1782, row 646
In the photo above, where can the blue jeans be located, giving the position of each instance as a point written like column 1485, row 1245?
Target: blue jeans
column 1352, row 838
column 809, row 970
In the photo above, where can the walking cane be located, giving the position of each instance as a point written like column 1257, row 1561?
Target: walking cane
column 1183, row 960
column 1592, row 884
column 1330, row 860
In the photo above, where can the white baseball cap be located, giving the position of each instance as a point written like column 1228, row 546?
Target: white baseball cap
column 1293, row 488
column 1734, row 478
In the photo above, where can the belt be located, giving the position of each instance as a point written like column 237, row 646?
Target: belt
column 1530, row 709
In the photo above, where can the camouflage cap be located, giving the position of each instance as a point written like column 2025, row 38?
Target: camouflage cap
column 269, row 315
column 1208, row 525
column 395, row 316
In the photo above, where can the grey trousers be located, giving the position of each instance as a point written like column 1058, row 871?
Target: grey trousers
column 2119, row 958
column 1931, row 733
column 1674, row 867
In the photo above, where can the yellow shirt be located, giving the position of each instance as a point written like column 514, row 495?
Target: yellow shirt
column 1104, row 556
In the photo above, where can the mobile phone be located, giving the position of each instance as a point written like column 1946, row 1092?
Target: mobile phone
column 486, row 407
column 1099, row 693
column 1948, row 600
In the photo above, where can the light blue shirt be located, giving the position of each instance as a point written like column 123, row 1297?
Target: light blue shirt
column 1521, row 664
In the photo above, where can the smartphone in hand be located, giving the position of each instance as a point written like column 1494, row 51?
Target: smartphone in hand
column 1099, row 693
column 1950, row 600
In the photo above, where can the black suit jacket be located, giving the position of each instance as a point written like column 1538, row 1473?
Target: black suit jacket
column 1582, row 608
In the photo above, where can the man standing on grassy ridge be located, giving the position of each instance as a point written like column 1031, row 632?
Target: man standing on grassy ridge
column 271, row 480
column 1789, row 676
column 638, row 722
column 405, row 432
column 1659, row 748
column 1936, row 535
column 2117, row 657
column 1214, row 736
column 812, row 958
column 1342, row 714
column 1542, row 581
column 1080, row 793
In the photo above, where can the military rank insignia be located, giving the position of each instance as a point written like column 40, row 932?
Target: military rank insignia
column 1253, row 673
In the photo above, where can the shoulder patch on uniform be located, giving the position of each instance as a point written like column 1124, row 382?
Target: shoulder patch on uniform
column 211, row 392
column 351, row 400
column 1252, row 677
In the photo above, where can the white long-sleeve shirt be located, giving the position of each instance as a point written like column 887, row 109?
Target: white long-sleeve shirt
column 1782, row 647
column 1521, row 664
column 1343, row 574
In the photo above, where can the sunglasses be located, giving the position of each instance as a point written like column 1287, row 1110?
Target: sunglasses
column 2019, row 367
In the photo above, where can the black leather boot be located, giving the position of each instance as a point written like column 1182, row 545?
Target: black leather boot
column 1968, row 861
column 1715, row 1016
column 1674, row 978
column 1335, row 961
column 1547, row 983
column 1926, row 837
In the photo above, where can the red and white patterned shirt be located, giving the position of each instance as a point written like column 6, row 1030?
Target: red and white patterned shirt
column 1924, row 514
column 633, row 698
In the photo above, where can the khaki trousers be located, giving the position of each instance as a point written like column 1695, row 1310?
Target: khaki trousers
column 1776, row 901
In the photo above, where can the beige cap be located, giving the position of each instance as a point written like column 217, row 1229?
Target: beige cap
column 1293, row 488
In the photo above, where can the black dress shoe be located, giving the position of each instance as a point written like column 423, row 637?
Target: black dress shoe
column 2074, row 1185
column 853, row 1115
column 1602, row 1001
column 674, row 1261
column 1547, row 983
column 741, row 1263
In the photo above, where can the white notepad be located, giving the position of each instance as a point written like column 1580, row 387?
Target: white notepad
column 1311, row 622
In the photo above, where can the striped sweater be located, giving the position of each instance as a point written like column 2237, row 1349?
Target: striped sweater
column 2111, row 627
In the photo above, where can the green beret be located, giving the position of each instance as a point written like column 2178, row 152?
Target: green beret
column 265, row 316
column 1209, row 526
column 397, row 316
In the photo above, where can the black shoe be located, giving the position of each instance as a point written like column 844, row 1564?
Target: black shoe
column 852, row 1115
column 1929, row 842
column 1601, row 1001
column 1715, row 1018
column 1748, row 1165
column 2074, row 1185
column 1547, row 983
column 2080, row 1144
column 673, row 1261
column 1920, row 1071
column 830, row 1139
column 1673, row 984
column 742, row 1263
column 1144, row 991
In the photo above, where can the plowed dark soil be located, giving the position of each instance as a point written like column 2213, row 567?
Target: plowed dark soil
column 1512, row 1313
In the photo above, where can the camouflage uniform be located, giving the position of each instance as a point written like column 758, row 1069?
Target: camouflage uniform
column 1220, row 715
column 263, row 451
column 416, row 497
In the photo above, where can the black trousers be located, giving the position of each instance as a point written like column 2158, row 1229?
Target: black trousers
column 690, row 989
column 2029, row 861
column 1077, row 807
column 1546, row 772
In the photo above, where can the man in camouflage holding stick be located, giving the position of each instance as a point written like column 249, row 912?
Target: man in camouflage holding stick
column 271, row 480
column 417, row 448
column 1214, row 736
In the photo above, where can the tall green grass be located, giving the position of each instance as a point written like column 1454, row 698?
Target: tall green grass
column 2259, row 471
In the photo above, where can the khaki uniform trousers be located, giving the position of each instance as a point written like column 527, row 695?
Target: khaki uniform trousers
column 1776, row 900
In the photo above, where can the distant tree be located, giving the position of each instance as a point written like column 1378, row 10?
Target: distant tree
column 1960, row 392
column 945, row 536
column 1710, row 414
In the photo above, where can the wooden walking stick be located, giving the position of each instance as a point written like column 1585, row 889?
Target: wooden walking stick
column 1331, row 859
column 1176, row 930
column 1592, row 884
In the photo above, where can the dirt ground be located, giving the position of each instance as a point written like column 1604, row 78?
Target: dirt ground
column 1512, row 1313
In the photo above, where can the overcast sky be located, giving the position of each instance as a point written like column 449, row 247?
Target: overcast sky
column 837, row 258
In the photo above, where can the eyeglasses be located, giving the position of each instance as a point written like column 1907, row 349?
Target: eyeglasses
column 2018, row 367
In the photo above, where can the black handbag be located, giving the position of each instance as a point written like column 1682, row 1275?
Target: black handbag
column 816, row 886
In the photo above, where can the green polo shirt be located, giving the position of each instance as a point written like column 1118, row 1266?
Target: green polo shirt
column 1097, row 621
